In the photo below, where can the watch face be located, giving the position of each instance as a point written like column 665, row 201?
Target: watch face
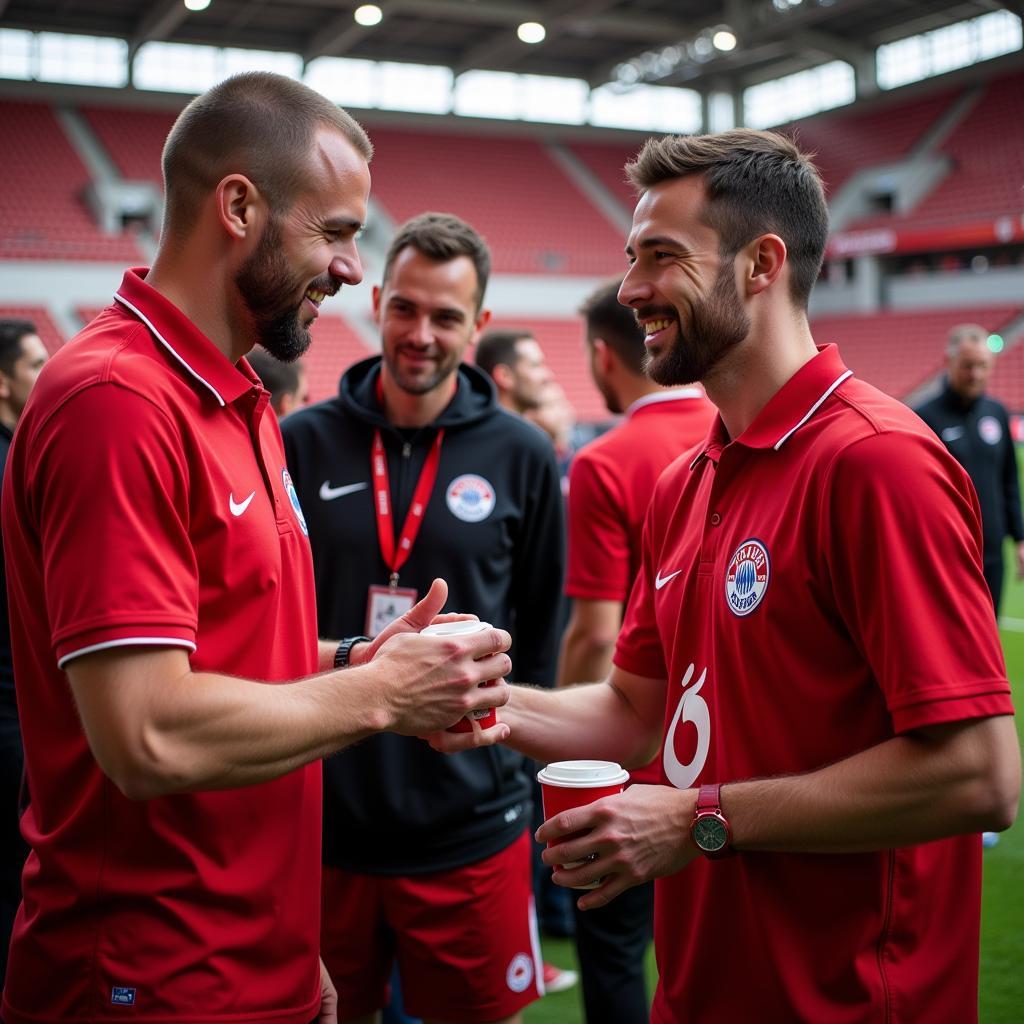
column 710, row 834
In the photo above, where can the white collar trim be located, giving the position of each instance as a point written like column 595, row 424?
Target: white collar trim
column 670, row 395
column 813, row 409
column 167, row 345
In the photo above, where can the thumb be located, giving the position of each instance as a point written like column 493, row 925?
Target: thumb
column 422, row 613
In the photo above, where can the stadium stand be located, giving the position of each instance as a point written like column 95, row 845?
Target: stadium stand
column 42, row 213
column 336, row 346
column 534, row 218
column 132, row 138
column 606, row 162
column 852, row 140
column 898, row 352
column 49, row 332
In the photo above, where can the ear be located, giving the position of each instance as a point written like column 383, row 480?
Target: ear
column 766, row 257
column 504, row 379
column 376, row 304
column 240, row 206
column 5, row 385
column 483, row 318
column 604, row 356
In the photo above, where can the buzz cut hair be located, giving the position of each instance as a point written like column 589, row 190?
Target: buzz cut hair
column 258, row 124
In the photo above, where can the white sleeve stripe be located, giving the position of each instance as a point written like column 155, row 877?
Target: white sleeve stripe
column 129, row 641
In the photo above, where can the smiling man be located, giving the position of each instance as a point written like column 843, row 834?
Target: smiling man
column 809, row 633
column 161, row 588
column 413, row 471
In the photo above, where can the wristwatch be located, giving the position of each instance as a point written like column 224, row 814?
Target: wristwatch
column 344, row 651
column 710, row 829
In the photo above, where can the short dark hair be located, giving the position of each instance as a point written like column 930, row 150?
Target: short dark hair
column 442, row 237
column 256, row 123
column 757, row 182
column 498, row 348
column 278, row 378
column 12, row 331
column 616, row 325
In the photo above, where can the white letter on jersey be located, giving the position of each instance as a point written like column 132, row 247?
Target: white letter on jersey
column 692, row 708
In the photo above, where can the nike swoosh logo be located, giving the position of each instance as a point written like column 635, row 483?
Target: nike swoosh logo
column 952, row 433
column 238, row 507
column 329, row 493
column 660, row 581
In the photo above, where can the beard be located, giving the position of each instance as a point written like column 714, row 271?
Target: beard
column 268, row 289
column 717, row 324
column 425, row 381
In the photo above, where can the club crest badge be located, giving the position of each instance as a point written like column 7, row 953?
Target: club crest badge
column 470, row 498
column 519, row 975
column 990, row 430
column 293, row 497
column 746, row 578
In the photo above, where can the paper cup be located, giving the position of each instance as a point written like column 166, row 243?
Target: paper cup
column 568, row 784
column 463, row 627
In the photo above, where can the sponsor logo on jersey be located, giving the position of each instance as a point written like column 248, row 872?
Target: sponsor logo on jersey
column 990, row 430
column 239, row 507
column 746, row 578
column 121, row 995
column 293, row 497
column 519, row 975
column 329, row 493
column 470, row 498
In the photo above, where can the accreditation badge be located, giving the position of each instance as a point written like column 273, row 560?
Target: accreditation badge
column 385, row 604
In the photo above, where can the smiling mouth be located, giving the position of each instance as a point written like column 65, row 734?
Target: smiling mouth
column 315, row 296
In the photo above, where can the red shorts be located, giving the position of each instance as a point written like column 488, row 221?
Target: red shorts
column 465, row 940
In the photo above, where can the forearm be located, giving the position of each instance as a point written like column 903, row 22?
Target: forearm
column 211, row 731
column 589, row 721
column 584, row 657
column 910, row 789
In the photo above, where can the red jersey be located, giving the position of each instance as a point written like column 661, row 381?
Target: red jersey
column 147, row 503
column 611, row 482
column 809, row 590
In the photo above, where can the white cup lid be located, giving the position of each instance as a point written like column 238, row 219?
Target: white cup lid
column 461, row 627
column 583, row 774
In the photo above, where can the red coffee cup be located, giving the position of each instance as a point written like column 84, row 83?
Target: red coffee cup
column 568, row 784
column 485, row 716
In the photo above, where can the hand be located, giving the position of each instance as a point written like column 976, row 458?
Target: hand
column 422, row 614
column 328, row 998
column 433, row 681
column 1020, row 560
column 637, row 835
column 453, row 742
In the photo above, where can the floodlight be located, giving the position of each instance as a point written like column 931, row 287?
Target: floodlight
column 368, row 15
column 531, row 32
column 197, row 5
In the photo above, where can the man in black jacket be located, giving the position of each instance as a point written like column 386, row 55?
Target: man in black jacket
column 976, row 430
column 22, row 355
column 413, row 471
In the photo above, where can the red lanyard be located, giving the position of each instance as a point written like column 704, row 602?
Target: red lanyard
column 393, row 559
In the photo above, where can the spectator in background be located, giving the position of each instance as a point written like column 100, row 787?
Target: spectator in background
column 411, row 471
column 286, row 382
column 514, row 360
column 611, row 483
column 173, row 698
column 976, row 431
column 22, row 355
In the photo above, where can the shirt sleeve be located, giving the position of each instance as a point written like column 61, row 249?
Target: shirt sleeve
column 598, row 533
column 1011, row 483
column 639, row 648
column 908, row 580
column 109, row 497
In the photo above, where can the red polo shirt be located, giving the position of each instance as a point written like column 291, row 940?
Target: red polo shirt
column 148, row 504
column 611, row 482
column 809, row 590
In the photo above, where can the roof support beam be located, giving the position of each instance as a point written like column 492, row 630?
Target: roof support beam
column 157, row 23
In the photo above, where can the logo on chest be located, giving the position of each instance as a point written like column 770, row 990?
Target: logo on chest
column 746, row 578
column 990, row 430
column 293, row 498
column 470, row 498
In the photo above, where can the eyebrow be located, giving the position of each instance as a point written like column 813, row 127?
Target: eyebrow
column 653, row 243
column 340, row 223
column 441, row 311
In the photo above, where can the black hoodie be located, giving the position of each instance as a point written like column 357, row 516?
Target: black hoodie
column 391, row 804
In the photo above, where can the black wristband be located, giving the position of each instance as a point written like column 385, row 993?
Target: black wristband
column 344, row 651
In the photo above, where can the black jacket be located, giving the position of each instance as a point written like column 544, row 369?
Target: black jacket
column 977, row 435
column 391, row 804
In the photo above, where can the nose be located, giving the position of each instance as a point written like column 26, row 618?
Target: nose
column 346, row 266
column 420, row 331
column 633, row 291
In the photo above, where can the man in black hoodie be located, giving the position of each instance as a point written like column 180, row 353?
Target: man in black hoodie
column 412, row 472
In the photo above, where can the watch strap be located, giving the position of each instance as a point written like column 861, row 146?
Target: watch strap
column 343, row 654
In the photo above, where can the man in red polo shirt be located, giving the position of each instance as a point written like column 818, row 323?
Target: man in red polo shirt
column 611, row 481
column 810, row 631
column 160, row 577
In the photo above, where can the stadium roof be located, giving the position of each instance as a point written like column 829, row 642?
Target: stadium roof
column 585, row 39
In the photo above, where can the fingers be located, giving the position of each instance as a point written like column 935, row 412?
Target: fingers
column 426, row 609
column 454, row 742
column 488, row 641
